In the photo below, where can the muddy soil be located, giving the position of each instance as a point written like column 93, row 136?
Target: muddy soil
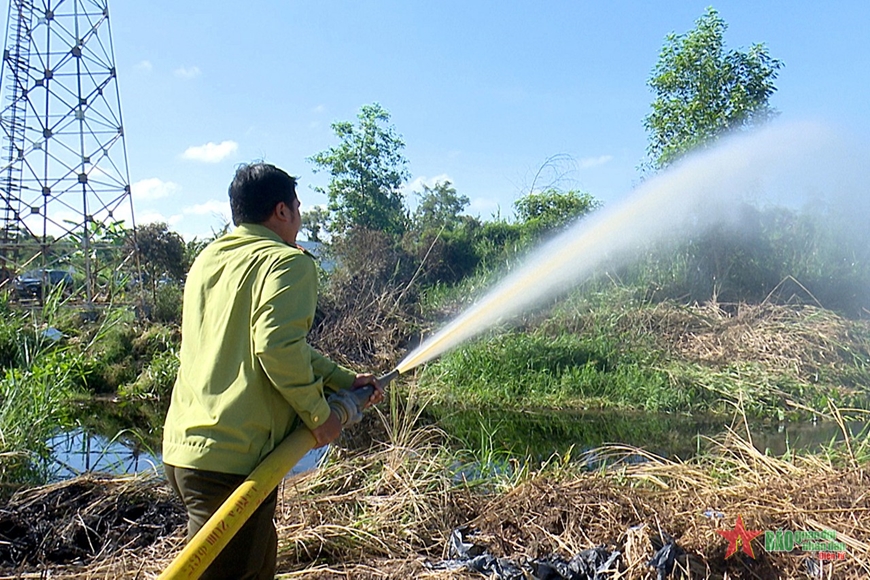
column 84, row 519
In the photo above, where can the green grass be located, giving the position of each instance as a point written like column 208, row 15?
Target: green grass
column 45, row 380
column 610, row 349
column 37, row 387
column 518, row 369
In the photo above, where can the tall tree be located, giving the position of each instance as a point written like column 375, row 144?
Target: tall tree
column 440, row 206
column 161, row 253
column 314, row 223
column 367, row 169
column 552, row 209
column 703, row 91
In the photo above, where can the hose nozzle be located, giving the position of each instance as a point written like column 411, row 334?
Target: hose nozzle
column 388, row 378
column 348, row 404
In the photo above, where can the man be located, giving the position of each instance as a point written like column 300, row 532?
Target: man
column 247, row 376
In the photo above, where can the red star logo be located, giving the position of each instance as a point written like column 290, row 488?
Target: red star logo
column 739, row 536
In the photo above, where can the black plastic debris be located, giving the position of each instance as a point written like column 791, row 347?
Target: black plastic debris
column 815, row 569
column 592, row 564
column 464, row 554
column 665, row 558
column 500, row 568
column 459, row 548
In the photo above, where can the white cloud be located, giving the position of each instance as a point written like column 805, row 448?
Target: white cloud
column 211, row 152
column 589, row 162
column 319, row 109
column 145, row 66
column 149, row 216
column 418, row 182
column 153, row 188
column 211, row 207
column 486, row 207
column 187, row 72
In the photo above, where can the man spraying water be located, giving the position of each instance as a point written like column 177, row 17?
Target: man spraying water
column 248, row 378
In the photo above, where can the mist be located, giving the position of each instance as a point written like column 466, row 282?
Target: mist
column 802, row 166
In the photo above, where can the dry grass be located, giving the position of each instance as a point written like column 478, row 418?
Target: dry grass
column 566, row 516
column 803, row 340
column 386, row 513
column 628, row 507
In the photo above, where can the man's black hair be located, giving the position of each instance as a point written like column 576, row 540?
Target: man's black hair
column 256, row 189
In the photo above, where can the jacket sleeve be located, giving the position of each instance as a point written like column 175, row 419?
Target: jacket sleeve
column 334, row 375
column 281, row 320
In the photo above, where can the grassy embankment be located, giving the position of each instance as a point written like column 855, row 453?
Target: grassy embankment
column 606, row 349
column 55, row 360
column 609, row 349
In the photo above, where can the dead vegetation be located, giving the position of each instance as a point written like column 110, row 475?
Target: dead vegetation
column 83, row 520
column 387, row 513
column 367, row 310
column 630, row 507
column 804, row 340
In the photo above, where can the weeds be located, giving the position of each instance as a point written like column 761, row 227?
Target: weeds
column 56, row 356
column 388, row 511
column 610, row 351
column 35, row 403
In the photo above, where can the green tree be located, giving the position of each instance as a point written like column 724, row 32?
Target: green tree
column 552, row 209
column 702, row 90
column 367, row 169
column 442, row 238
column 440, row 207
column 314, row 222
column 161, row 253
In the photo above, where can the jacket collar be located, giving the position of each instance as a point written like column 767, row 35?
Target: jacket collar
column 264, row 232
column 257, row 230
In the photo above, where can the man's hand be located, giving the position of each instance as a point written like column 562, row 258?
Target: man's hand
column 328, row 432
column 365, row 379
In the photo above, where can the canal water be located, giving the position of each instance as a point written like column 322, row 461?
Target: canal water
column 79, row 451
column 538, row 435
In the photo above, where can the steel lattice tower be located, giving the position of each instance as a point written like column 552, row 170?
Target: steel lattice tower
column 64, row 181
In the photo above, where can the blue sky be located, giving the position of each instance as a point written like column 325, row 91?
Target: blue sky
column 483, row 93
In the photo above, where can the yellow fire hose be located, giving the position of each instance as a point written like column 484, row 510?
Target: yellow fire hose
column 213, row 537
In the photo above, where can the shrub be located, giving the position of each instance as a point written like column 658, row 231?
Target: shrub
column 366, row 307
column 157, row 378
column 167, row 304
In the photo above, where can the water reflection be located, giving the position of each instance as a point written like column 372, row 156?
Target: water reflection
column 541, row 434
column 116, row 448
column 79, row 452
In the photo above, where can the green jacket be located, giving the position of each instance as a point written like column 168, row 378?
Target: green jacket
column 247, row 373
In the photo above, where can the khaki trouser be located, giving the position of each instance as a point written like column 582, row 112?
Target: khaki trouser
column 252, row 553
